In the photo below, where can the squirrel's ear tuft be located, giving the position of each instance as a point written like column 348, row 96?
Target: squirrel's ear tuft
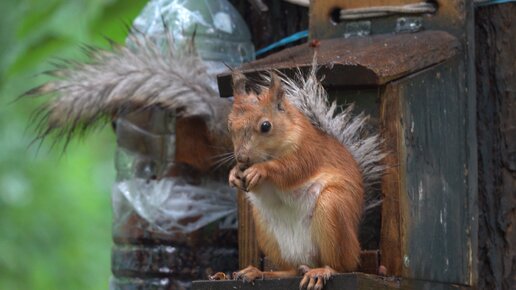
column 276, row 88
column 239, row 83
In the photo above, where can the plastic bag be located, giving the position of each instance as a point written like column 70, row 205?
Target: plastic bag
column 168, row 203
column 172, row 205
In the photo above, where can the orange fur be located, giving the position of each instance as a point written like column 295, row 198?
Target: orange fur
column 193, row 143
column 292, row 154
column 197, row 149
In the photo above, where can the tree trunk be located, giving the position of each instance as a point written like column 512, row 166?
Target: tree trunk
column 496, row 99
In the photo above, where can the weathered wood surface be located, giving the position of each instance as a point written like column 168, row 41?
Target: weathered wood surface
column 496, row 96
column 369, row 262
column 435, row 182
column 451, row 16
column 352, row 281
column 248, row 251
column 394, row 209
column 373, row 60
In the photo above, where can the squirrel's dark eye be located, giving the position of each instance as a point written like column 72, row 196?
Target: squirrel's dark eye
column 265, row 126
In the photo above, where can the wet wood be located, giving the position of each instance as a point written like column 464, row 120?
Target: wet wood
column 369, row 262
column 439, row 239
column 365, row 61
column 392, row 236
column 496, row 96
column 352, row 281
column 248, row 251
column 451, row 16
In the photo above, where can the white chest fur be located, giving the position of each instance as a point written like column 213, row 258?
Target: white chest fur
column 288, row 218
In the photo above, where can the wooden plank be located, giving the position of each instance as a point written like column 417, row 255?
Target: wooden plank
column 369, row 262
column 450, row 17
column 496, row 96
column 324, row 22
column 392, row 239
column 467, row 84
column 434, row 118
column 367, row 61
column 248, row 252
column 346, row 281
column 352, row 281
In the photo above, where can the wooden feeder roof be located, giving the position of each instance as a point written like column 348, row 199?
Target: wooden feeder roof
column 359, row 61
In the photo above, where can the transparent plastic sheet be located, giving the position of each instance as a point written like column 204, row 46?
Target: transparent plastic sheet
column 145, row 154
column 169, row 204
column 167, row 230
column 220, row 32
column 173, row 222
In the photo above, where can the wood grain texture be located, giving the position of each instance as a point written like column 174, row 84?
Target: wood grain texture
column 363, row 61
column 392, row 237
column 248, row 252
column 434, row 119
column 369, row 262
column 451, row 16
column 352, row 281
column 496, row 96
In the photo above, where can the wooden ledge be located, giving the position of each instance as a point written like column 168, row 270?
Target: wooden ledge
column 349, row 281
column 359, row 61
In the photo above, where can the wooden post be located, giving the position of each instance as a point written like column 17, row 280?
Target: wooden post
column 393, row 231
column 248, row 252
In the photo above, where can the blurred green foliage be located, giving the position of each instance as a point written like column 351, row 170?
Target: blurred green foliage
column 55, row 215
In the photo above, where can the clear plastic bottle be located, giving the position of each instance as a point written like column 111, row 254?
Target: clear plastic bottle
column 221, row 34
column 168, row 231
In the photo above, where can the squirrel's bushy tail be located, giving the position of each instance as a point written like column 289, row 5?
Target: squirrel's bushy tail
column 127, row 78
column 310, row 97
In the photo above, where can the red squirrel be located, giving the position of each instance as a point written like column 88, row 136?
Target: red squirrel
column 305, row 187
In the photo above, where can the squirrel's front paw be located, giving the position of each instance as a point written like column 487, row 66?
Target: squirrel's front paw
column 236, row 179
column 253, row 176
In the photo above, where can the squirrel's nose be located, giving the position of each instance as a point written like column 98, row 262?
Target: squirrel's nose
column 242, row 158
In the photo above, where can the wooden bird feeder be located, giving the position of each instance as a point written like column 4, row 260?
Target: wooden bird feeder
column 413, row 72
